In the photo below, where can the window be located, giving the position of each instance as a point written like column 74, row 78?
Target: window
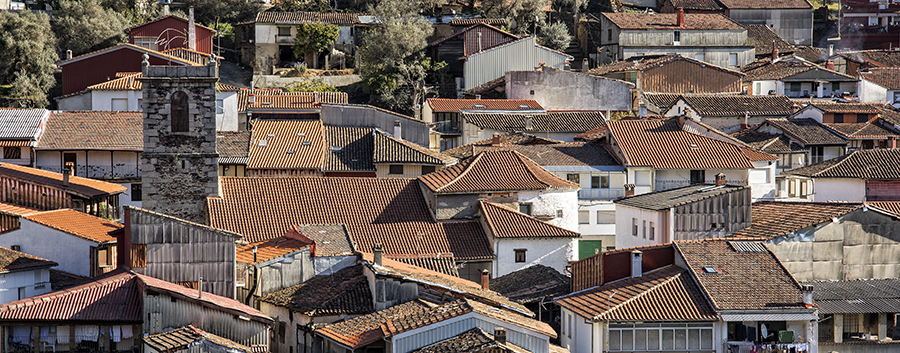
column 817, row 154
column 22, row 294
column 861, row 118
column 104, row 257
column 634, row 227
column 520, row 255
column 119, row 104
column 220, row 107
column 659, row 337
column 794, row 87
column 584, row 217
column 732, row 59
column 284, row 31
column 180, row 112
column 428, row 169
column 792, row 188
column 396, row 169
column 758, row 89
column 573, row 177
column 525, row 208
column 569, row 332
column 652, row 230
column 700, row 57
column 608, row 34
column 606, row 217
column 600, row 182
column 698, row 176
column 677, row 35
column 137, row 192
column 146, row 42
column 12, row 152
column 644, row 229
column 642, row 178
column 803, row 189
column 838, row 118
column 836, row 87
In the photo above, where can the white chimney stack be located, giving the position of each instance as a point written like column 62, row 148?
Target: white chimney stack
column 192, row 30
column 397, row 129
column 637, row 258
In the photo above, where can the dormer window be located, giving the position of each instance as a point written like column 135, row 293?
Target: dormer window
column 478, row 106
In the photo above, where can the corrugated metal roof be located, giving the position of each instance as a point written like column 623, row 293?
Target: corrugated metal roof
column 11, row 260
column 25, row 124
column 861, row 296
column 287, row 144
column 520, row 55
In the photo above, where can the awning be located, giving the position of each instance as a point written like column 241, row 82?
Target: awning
column 801, row 316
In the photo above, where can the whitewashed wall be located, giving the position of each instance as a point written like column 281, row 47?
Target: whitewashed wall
column 73, row 254
column 551, row 252
column 549, row 202
column 36, row 282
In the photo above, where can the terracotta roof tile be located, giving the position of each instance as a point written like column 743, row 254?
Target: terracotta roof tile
column 552, row 121
column 874, row 57
column 784, row 67
column 559, row 154
column 128, row 81
column 349, row 148
column 887, row 206
column 695, row 4
column 772, row 219
column 531, row 284
column 111, row 297
column 233, row 146
column 877, row 164
column 11, row 260
column 475, row 340
column 389, row 149
column 76, row 223
column 388, row 211
column 496, row 85
column 17, row 210
column 494, row 171
column 335, row 18
column 268, row 250
column 499, row 22
column 806, row 130
column 287, row 144
column 668, row 21
column 887, row 77
column 873, row 129
column 331, row 239
column 714, row 105
column 441, row 263
column 183, row 337
column 646, row 62
column 662, row 144
column 61, row 280
column 284, row 102
column 829, row 106
column 665, row 294
column 78, row 185
column 508, row 138
column 765, row 4
column 772, row 285
column 766, row 142
column 345, row 292
column 663, row 101
column 455, row 105
column 93, row 130
column 504, row 222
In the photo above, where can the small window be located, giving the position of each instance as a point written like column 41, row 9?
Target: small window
column 700, row 56
column 396, row 169
column 22, row 293
column 531, row 92
column 644, row 229
column 179, row 112
column 427, row 169
column 559, row 213
column 634, row 227
column 12, row 152
column 608, row 34
column 284, row 31
column 698, row 177
column 606, row 217
column 862, row 118
column 652, row 230
column 757, row 90
column 525, row 208
column 220, row 107
column 520, row 255
column 732, row 59
column 137, row 192
column 600, row 182
column 795, row 87
column 836, row 87
column 573, row 177
column 803, row 190
column 584, row 217
column 677, row 37
column 839, row 118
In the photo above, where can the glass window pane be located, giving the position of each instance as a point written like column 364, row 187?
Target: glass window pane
column 706, row 339
column 627, row 340
column 668, row 339
column 615, row 340
column 652, row 340
column 693, row 339
column 640, row 340
column 681, row 339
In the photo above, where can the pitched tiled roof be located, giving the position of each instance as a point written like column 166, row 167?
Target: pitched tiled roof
column 128, row 81
column 455, row 105
column 475, row 340
column 662, row 144
column 487, row 37
column 494, row 171
column 766, row 142
column 76, row 223
column 496, row 85
column 811, row 54
column 765, row 4
column 553, row 121
column 663, row 101
column 16, row 210
column 21, row 124
column 349, row 148
column 772, row 219
column 345, row 292
column 321, row 97
column 739, row 104
column 874, row 57
column 268, row 250
column 858, row 296
column 497, row 22
column 233, row 146
column 829, row 106
column 784, row 67
column 887, row 206
column 531, row 284
column 442, row 263
column 504, row 222
column 664, row 200
column 390, row 211
column 81, row 186
column 887, row 77
column 183, row 337
column 665, row 294
column 890, row 114
column 93, row 130
column 695, row 4
column 807, row 130
column 877, row 164
column 131, row 47
column 389, row 149
column 508, row 138
column 331, row 239
column 641, row 63
column 284, row 102
column 669, row 21
column 773, row 286
column 560, row 154
column 287, row 144
column 335, row 18
column 61, row 280
column 11, row 260
column 873, row 129
column 111, row 297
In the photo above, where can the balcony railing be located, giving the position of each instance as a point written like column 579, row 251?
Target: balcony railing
column 447, row 127
column 102, row 171
column 601, row 194
column 662, row 185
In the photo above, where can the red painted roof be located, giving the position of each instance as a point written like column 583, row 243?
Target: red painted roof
column 455, row 105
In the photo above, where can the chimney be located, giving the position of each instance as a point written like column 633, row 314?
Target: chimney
column 485, row 279
column 477, row 96
column 681, row 119
column 807, row 295
column 377, row 252
column 479, row 40
column 166, row 10
column 251, row 98
column 893, row 142
column 500, row 335
column 720, row 179
column 255, row 249
column 68, row 54
column 629, row 190
column 679, row 16
column 123, row 242
column 398, row 129
column 637, row 267
column 495, row 141
column 529, row 123
column 829, row 65
column 200, row 287
column 830, row 50
column 847, row 96
column 192, row 31
column 67, row 171
column 774, row 51
column 642, row 109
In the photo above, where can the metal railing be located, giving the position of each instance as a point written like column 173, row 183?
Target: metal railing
column 662, row 185
column 601, row 194
column 118, row 171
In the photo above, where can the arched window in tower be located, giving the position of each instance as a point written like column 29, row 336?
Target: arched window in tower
column 180, row 121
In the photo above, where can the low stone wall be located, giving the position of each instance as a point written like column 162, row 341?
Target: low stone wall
column 272, row 81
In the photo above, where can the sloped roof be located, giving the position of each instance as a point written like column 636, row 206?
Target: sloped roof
column 505, row 222
column 93, row 130
column 284, row 102
column 551, row 121
column 560, row 154
column 696, row 4
column 76, row 223
column 21, row 124
column 859, row 296
column 530, row 284
column 772, row 219
column 11, row 260
column 830, row 106
column 664, row 200
column 507, row 138
column 766, row 142
column 389, row 149
column 268, row 250
column 876, row 164
column 349, row 148
column 442, row 263
column 163, row 18
column 130, row 47
column 773, row 286
column 665, row 294
column 345, row 292
column 183, row 337
column 872, row 129
column 492, row 38
column 887, row 206
column 715, row 104
column 887, row 77
column 646, row 62
column 322, row 97
column 494, row 171
column 81, row 186
column 391, row 211
column 287, row 144
column 475, row 340
column 765, row 4
column 785, row 67
column 669, row 21
column 455, row 105
column 873, row 57
column 335, row 18
column 765, row 39
column 807, row 130
column 128, row 81
column 233, row 146
column 331, row 239
column 662, row 144
column 473, row 21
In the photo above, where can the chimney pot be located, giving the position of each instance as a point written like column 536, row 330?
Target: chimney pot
column 485, row 279
column 67, row 171
column 378, row 251
column 200, row 287
column 637, row 267
column 69, row 54
column 679, row 16
column 629, row 190
column 495, row 141
column 642, row 109
column 829, row 65
column 477, row 96
column 500, row 335
column 192, row 30
column 807, row 294
column 398, row 130
column 774, row 51
column 720, row 179
column 255, row 249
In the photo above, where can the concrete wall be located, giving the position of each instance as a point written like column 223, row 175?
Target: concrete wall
column 625, row 218
column 762, row 87
column 73, row 254
column 853, row 190
column 415, row 131
column 596, row 229
column 552, row 252
column 578, row 336
column 35, row 282
column 793, row 25
column 284, row 272
column 76, row 102
column 861, row 244
column 563, row 90
column 762, row 180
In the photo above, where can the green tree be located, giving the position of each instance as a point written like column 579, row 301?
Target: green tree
column 313, row 38
column 523, row 16
column 555, row 36
column 84, row 26
column 230, row 11
column 310, row 86
column 391, row 59
column 27, row 58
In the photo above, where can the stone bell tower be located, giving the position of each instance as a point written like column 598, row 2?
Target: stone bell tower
column 179, row 165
